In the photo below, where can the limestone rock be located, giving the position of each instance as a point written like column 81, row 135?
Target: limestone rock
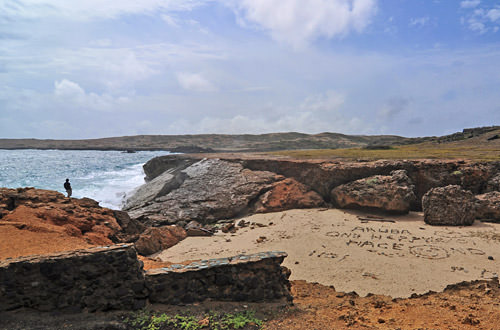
column 488, row 206
column 155, row 239
column 211, row 190
column 449, row 206
column 493, row 183
column 391, row 193
column 288, row 194
column 51, row 211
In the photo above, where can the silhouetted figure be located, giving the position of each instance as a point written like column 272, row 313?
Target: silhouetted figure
column 67, row 186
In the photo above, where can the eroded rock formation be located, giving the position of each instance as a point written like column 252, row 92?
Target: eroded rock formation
column 449, row 206
column 43, row 221
column 390, row 193
column 288, row 194
column 210, row 189
column 49, row 211
column 155, row 239
column 488, row 206
column 183, row 188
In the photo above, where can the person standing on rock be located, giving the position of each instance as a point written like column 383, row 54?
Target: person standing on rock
column 67, row 186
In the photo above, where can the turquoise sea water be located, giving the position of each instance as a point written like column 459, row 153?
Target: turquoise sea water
column 106, row 176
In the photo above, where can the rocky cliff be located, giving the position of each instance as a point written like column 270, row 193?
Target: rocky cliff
column 224, row 186
column 40, row 221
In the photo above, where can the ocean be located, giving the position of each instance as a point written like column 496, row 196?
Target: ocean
column 108, row 177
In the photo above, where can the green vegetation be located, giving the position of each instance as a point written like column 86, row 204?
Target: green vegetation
column 478, row 152
column 213, row 321
column 372, row 181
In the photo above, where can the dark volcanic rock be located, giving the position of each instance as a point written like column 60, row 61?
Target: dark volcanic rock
column 391, row 193
column 449, row 206
column 488, row 206
column 211, row 190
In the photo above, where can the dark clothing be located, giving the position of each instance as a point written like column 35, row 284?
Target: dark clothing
column 67, row 186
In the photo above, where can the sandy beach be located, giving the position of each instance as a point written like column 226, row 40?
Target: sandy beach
column 334, row 247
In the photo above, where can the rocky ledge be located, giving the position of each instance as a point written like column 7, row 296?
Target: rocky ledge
column 208, row 188
column 43, row 221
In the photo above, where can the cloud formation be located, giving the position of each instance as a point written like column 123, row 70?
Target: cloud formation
column 481, row 18
column 469, row 3
column 194, row 82
column 298, row 22
column 420, row 21
column 72, row 95
column 92, row 9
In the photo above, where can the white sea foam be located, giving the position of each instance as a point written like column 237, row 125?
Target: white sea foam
column 106, row 176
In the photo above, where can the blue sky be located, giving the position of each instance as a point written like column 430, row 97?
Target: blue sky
column 99, row 68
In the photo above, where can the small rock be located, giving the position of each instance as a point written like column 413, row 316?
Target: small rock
column 261, row 239
column 229, row 228
column 490, row 258
column 243, row 223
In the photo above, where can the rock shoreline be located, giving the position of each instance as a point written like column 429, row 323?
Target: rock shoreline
column 207, row 188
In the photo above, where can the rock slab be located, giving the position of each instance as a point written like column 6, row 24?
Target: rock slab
column 211, row 189
column 389, row 193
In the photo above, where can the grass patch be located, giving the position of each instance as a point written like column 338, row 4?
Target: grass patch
column 144, row 320
column 414, row 151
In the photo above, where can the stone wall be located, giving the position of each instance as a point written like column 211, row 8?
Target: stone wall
column 112, row 277
column 256, row 277
column 94, row 279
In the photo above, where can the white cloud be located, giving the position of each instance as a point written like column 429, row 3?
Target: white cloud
column 316, row 113
column 493, row 14
column 194, row 82
column 68, row 89
column 72, row 95
column 482, row 18
column 91, row 9
column 298, row 22
column 469, row 3
column 420, row 21
column 328, row 101
column 170, row 20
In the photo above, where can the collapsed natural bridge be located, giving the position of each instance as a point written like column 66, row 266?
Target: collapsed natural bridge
column 182, row 188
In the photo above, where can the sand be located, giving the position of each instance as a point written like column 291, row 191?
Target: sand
column 334, row 247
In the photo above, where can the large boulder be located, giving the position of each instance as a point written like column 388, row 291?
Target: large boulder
column 288, row 194
column 449, row 206
column 207, row 191
column 493, row 183
column 390, row 193
column 488, row 206
column 155, row 239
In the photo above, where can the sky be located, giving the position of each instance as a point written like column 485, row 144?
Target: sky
column 102, row 68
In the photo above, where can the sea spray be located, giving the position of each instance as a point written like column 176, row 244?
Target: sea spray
column 106, row 176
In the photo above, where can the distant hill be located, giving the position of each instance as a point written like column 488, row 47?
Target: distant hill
column 238, row 143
